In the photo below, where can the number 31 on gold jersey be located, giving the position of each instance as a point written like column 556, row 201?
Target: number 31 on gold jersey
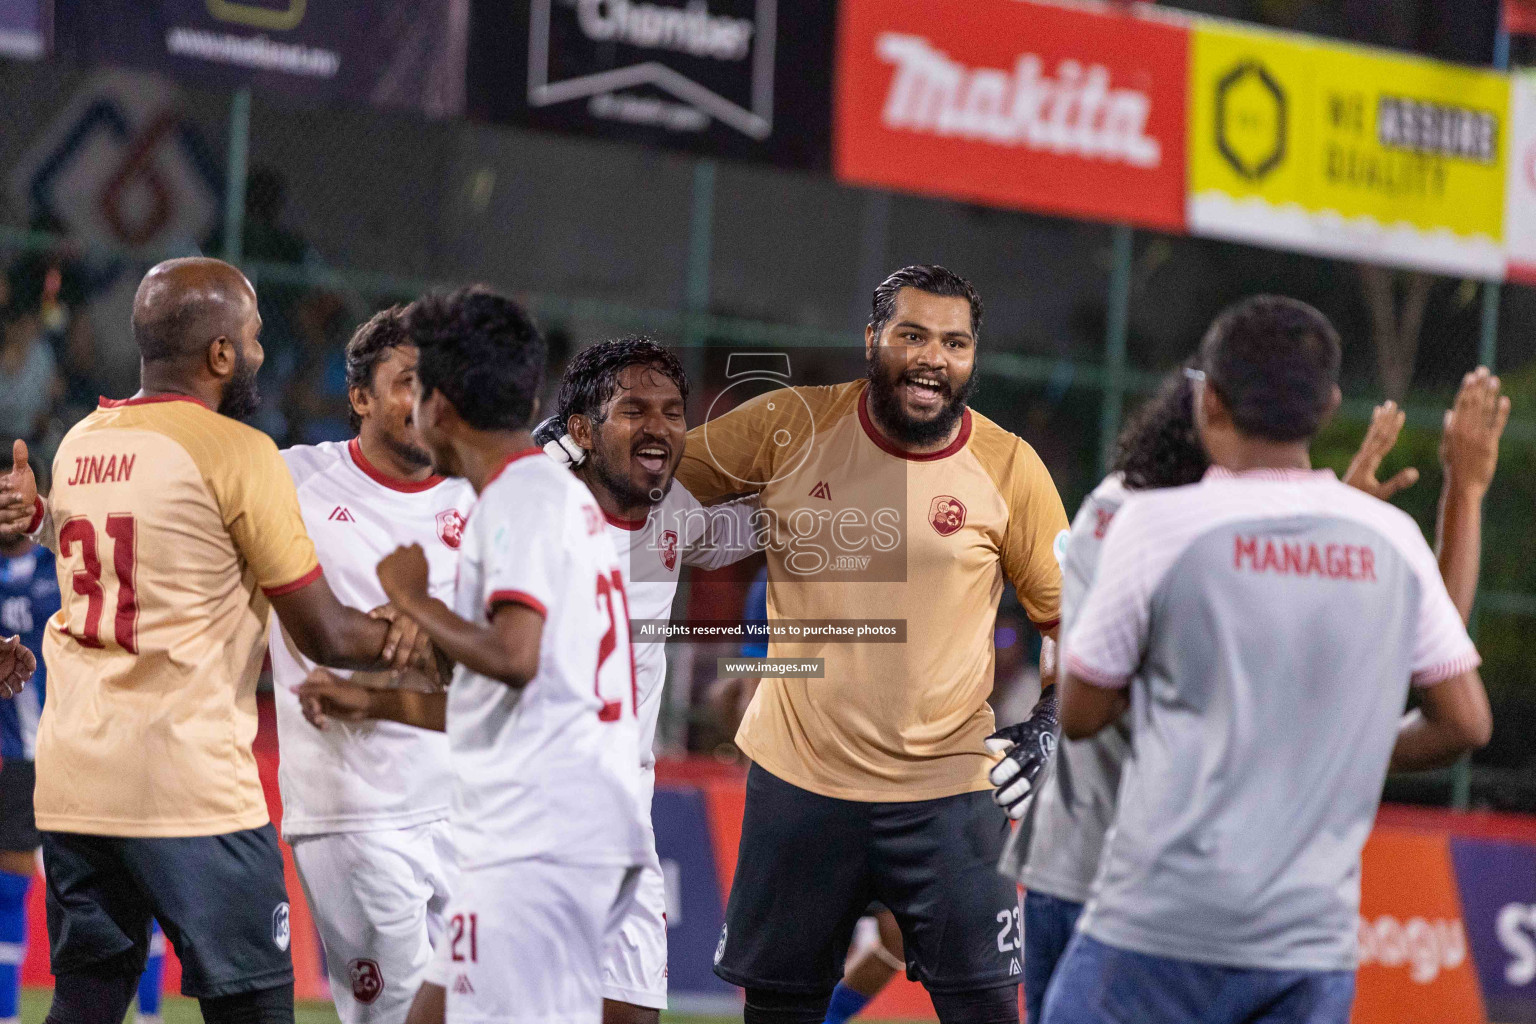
column 81, row 532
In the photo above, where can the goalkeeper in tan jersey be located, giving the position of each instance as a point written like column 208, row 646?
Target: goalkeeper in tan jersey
column 176, row 529
column 871, row 782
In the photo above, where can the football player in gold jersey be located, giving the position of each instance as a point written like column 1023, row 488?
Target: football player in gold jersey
column 870, row 782
column 177, row 529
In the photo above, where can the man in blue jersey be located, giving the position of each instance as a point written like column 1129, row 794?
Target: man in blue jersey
column 29, row 594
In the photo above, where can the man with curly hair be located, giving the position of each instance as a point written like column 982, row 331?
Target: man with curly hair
column 365, row 804
column 619, row 422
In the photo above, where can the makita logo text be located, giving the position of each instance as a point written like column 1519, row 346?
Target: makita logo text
column 1076, row 113
column 691, row 29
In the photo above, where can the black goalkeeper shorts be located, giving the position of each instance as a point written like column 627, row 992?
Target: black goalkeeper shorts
column 220, row 900
column 809, row 866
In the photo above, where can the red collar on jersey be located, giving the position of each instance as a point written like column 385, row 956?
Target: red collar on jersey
column 377, row 475
column 625, row 524
column 507, row 462
column 885, row 445
column 118, row 403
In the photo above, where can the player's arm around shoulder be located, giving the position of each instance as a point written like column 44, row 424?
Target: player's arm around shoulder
column 721, row 534
column 739, row 451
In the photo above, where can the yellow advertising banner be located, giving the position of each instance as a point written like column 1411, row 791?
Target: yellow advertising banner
column 1346, row 151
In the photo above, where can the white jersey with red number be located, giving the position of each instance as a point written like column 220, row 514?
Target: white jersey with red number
column 677, row 532
column 550, row 770
column 368, row 775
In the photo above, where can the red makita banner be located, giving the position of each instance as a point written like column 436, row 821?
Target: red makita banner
column 1078, row 111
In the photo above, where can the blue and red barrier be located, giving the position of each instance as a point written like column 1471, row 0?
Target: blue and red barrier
column 1447, row 922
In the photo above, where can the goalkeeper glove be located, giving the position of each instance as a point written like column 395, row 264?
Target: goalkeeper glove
column 550, row 435
column 1026, row 749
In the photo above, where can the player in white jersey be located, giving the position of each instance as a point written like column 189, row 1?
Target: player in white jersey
column 365, row 804
column 540, row 715
column 619, row 421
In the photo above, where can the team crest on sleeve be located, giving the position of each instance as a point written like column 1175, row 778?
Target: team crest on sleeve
column 367, row 980
column 669, row 549
column 450, row 527
column 1059, row 547
column 946, row 514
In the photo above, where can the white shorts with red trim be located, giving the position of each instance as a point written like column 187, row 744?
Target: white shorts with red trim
column 377, row 898
column 525, row 939
column 635, row 953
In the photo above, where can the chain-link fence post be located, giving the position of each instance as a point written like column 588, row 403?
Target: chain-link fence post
column 672, row 729
column 235, row 174
column 1116, row 326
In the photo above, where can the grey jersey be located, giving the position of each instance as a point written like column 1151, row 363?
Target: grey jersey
column 1063, row 832
column 1269, row 625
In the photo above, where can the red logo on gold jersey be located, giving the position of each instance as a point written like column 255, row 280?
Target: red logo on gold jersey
column 450, row 527
column 669, row 549
column 946, row 514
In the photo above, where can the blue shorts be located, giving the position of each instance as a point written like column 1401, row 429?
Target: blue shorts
column 1048, row 924
column 1100, row 984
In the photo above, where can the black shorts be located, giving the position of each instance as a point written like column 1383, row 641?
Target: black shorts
column 219, row 899
column 809, row 867
column 18, row 828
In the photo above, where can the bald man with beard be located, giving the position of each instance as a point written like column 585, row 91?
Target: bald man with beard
column 176, row 528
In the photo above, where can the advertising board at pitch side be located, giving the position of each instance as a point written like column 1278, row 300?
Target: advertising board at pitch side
column 1072, row 111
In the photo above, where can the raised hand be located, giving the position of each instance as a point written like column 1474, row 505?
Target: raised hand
column 1386, row 424
column 1469, row 447
column 18, row 493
